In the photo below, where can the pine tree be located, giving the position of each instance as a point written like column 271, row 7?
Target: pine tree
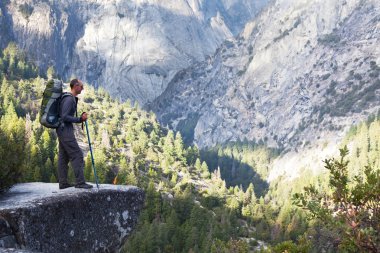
column 198, row 165
column 192, row 153
column 249, row 196
column 47, row 145
column 50, row 73
column 53, row 179
column 141, row 143
column 101, row 166
column 179, row 148
column 204, row 170
column 168, row 147
column 32, row 161
column 55, row 166
column 3, row 90
column 374, row 143
column 122, row 172
column 88, row 171
column 132, row 178
column 37, row 174
column 12, row 141
column 46, row 171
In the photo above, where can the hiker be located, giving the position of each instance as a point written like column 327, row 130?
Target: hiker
column 68, row 146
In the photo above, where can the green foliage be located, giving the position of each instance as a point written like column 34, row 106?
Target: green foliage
column 50, row 73
column 12, row 142
column 287, row 246
column 352, row 209
column 232, row 246
column 303, row 245
column 14, row 64
column 9, row 173
column 181, row 225
column 241, row 163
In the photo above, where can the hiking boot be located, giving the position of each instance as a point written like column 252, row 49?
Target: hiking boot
column 84, row 186
column 65, row 185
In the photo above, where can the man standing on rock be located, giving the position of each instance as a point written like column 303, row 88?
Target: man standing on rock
column 68, row 146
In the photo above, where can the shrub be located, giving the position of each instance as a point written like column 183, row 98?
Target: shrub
column 326, row 76
column 329, row 39
column 351, row 210
column 358, row 77
column 374, row 65
column 287, row 246
column 89, row 100
column 374, row 73
column 241, row 72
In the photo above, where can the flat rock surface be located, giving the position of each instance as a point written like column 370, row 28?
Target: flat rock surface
column 16, row 251
column 38, row 217
column 30, row 194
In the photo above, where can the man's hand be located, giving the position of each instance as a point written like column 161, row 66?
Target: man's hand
column 83, row 117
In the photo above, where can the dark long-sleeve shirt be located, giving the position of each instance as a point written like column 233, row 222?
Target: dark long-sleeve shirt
column 67, row 112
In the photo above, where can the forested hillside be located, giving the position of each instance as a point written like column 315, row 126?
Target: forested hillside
column 215, row 200
column 189, row 207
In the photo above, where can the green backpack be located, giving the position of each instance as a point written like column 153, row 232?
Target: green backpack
column 49, row 111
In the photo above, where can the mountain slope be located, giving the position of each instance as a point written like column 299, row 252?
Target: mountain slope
column 300, row 72
column 132, row 48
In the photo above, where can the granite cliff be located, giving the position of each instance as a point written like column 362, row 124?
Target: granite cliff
column 300, row 73
column 132, row 48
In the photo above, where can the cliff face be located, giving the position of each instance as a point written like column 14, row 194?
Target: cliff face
column 132, row 48
column 39, row 217
column 302, row 71
column 5, row 31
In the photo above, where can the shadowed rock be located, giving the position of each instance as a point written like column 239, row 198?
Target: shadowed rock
column 39, row 217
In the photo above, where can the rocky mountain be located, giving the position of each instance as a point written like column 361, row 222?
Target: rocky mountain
column 132, row 48
column 301, row 72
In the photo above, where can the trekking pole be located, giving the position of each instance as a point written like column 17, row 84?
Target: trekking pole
column 92, row 156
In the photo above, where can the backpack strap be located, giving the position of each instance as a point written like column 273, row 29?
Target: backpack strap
column 68, row 94
column 64, row 94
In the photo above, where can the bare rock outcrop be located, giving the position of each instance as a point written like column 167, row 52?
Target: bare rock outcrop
column 39, row 217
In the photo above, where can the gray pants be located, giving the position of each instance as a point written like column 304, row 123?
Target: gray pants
column 69, row 151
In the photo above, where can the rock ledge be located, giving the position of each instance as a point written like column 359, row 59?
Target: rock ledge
column 40, row 217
